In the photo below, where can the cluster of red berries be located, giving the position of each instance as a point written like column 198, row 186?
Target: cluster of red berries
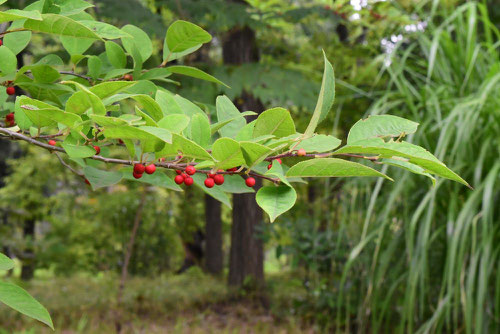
column 9, row 120
column 139, row 169
column 185, row 178
column 214, row 179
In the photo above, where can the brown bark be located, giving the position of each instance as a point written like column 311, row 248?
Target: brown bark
column 214, row 257
column 28, row 257
column 246, row 258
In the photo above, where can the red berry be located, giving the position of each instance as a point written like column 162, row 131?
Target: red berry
column 211, row 176
column 179, row 179
column 301, row 152
column 269, row 166
column 179, row 172
column 139, row 168
column 219, row 179
column 137, row 175
column 97, row 149
column 279, row 160
column 11, row 90
column 1, row 42
column 52, row 142
column 188, row 180
column 250, row 182
column 234, row 169
column 87, row 182
column 150, row 169
column 161, row 160
column 190, row 170
column 209, row 182
column 128, row 77
column 9, row 117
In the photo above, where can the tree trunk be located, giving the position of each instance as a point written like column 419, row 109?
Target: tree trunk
column 213, row 231
column 246, row 255
column 28, row 257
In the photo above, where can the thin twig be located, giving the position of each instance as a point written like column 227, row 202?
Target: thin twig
column 66, row 165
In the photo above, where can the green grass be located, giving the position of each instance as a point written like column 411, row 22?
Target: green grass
column 189, row 303
column 428, row 261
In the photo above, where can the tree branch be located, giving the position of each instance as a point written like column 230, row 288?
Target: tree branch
column 167, row 164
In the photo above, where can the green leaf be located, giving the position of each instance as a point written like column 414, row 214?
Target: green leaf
column 325, row 99
column 45, row 73
column 146, row 102
column 94, row 65
column 107, row 89
column 410, row 167
column 167, row 103
column 175, row 122
column 115, row 54
column 5, row 262
column 276, row 200
column 276, row 122
column 183, row 35
column 76, row 46
column 9, row 61
column 169, row 56
column 78, row 151
column 82, row 101
column 17, row 41
column 140, row 40
column 226, row 110
column 99, row 178
column 217, row 126
column 254, row 153
column 21, row 301
column 382, row 126
column 200, row 130
column 104, row 30
column 149, row 121
column 189, row 148
column 108, row 121
column 157, row 179
column 414, row 154
column 30, row 108
column 22, row 120
column 60, row 25
column 227, row 152
column 55, row 115
column 215, row 192
column 149, row 135
column 72, row 7
column 16, row 14
column 331, row 167
column 319, row 143
column 155, row 74
column 195, row 73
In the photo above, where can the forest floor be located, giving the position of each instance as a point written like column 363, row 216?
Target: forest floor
column 189, row 303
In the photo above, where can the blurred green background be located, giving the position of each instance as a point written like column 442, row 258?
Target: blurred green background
column 364, row 255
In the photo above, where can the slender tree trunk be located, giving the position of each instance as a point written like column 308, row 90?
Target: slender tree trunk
column 126, row 261
column 246, row 255
column 28, row 257
column 213, row 231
